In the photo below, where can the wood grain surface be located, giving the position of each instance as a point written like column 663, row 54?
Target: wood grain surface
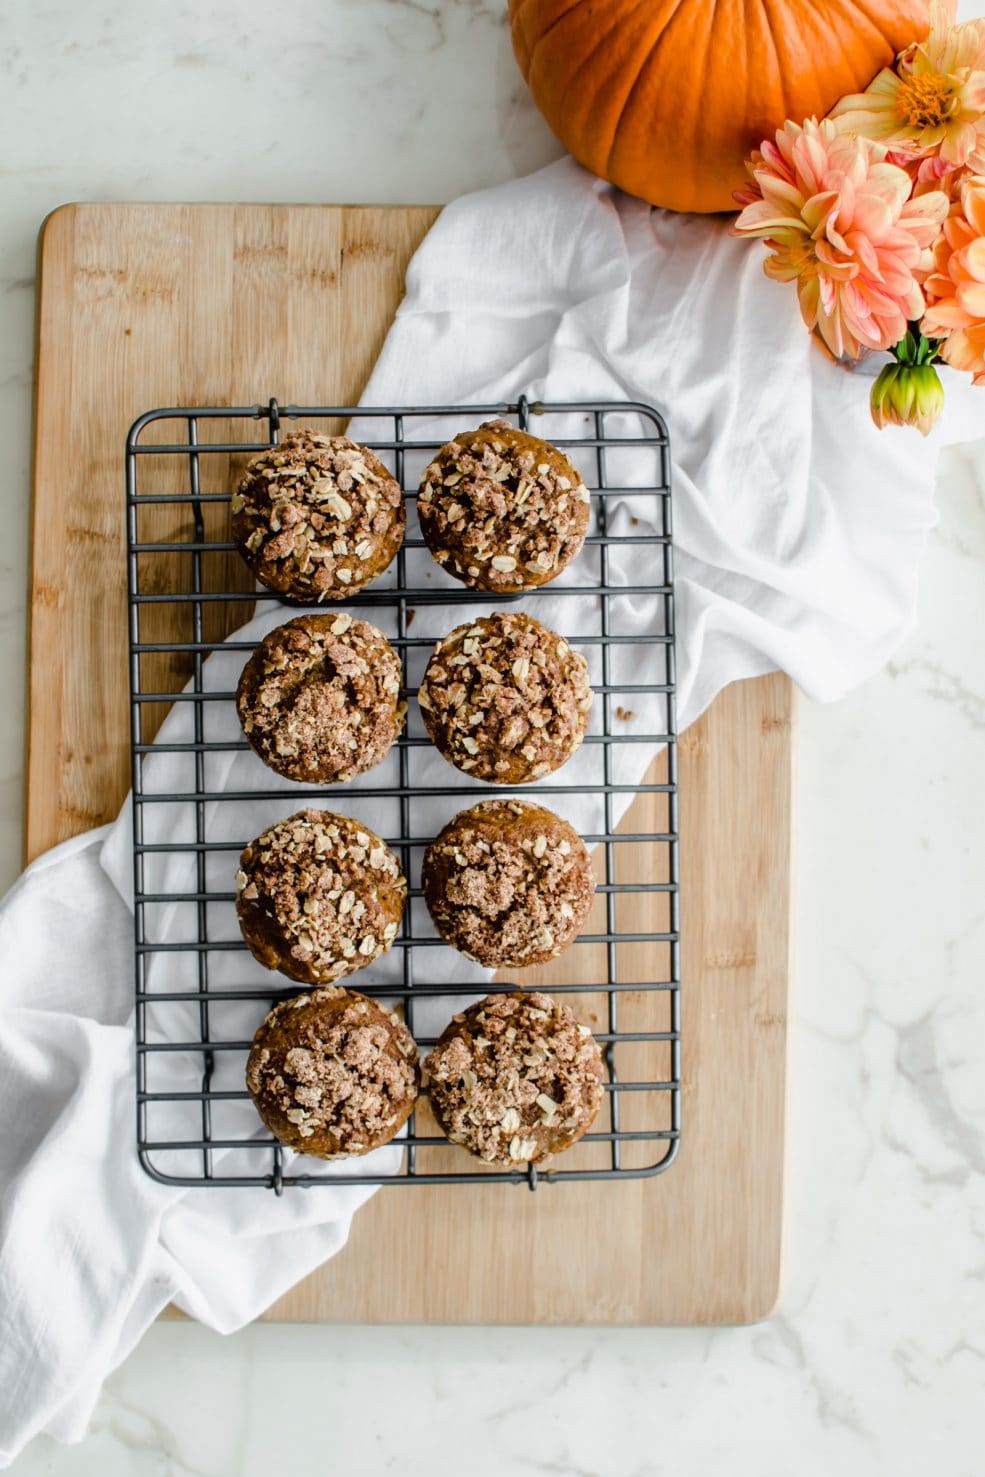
column 149, row 305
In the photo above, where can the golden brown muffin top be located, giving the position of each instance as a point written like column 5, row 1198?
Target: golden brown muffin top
column 515, row 1078
column 501, row 509
column 508, row 883
column 332, row 1073
column 505, row 699
column 325, row 888
column 317, row 517
column 319, row 698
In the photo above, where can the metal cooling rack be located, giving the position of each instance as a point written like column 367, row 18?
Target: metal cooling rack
column 623, row 973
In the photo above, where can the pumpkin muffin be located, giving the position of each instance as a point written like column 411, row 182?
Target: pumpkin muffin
column 317, row 517
column 515, row 1079
column 319, row 896
column 319, row 699
column 502, row 510
column 333, row 1073
column 508, row 883
column 505, row 699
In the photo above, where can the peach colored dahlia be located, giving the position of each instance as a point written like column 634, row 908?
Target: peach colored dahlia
column 839, row 221
column 933, row 104
column 956, row 285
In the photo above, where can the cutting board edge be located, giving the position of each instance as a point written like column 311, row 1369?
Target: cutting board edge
column 792, row 839
column 52, row 221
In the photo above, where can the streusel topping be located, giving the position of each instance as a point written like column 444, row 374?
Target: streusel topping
column 319, row 896
column 505, row 699
column 515, row 1078
column 508, row 883
column 333, row 1073
column 317, row 517
column 319, row 699
column 501, row 509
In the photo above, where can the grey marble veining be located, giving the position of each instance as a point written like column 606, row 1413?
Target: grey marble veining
column 877, row 1361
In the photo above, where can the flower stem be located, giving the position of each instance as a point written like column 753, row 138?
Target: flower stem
column 915, row 348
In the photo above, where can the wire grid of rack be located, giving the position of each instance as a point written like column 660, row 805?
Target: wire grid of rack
column 184, row 575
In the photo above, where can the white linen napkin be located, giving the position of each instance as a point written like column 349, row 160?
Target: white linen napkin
column 798, row 531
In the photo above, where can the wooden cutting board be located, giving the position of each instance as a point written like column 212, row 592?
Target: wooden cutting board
column 150, row 305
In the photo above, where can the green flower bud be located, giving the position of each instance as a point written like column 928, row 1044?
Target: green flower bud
column 907, row 395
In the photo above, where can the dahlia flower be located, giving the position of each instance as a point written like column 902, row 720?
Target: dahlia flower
column 839, row 221
column 956, row 285
column 933, row 103
column 907, row 395
column 928, row 173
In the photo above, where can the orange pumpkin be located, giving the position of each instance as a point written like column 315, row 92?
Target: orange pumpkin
column 666, row 98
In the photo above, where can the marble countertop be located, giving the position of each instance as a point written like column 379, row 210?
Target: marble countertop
column 876, row 1361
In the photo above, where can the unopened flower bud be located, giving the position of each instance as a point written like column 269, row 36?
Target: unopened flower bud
column 907, row 395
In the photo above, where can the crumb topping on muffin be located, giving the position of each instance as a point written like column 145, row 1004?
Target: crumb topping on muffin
column 515, row 1078
column 501, row 509
column 508, row 883
column 319, row 698
column 505, row 699
column 332, row 1073
column 319, row 896
column 317, row 517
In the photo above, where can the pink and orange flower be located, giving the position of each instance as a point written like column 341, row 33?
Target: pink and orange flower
column 956, row 285
column 932, row 104
column 839, row 220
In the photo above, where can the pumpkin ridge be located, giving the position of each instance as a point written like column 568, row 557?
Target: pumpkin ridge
column 587, row 59
column 709, row 43
column 562, row 15
column 648, row 54
column 616, row 25
column 861, row 9
column 746, row 87
column 602, row 39
column 779, row 70
column 815, row 74
column 652, row 56
column 841, row 28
